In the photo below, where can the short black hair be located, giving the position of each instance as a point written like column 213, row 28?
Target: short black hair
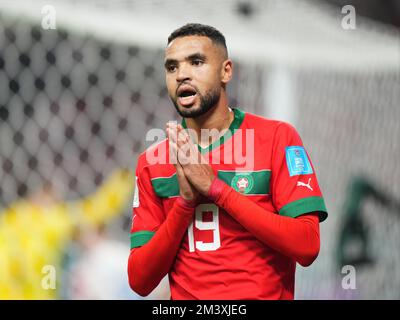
column 197, row 29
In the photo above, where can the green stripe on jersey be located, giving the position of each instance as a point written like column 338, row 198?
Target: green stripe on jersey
column 166, row 187
column 305, row 205
column 247, row 182
column 140, row 238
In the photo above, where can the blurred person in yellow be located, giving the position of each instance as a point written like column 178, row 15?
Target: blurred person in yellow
column 34, row 233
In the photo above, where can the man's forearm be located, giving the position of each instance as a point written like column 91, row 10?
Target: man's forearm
column 296, row 238
column 148, row 264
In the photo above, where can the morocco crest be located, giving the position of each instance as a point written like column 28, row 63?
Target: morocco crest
column 242, row 183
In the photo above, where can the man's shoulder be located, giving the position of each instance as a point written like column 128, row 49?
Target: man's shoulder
column 156, row 158
column 261, row 122
column 155, row 148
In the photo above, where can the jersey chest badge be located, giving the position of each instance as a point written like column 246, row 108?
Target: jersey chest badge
column 242, row 183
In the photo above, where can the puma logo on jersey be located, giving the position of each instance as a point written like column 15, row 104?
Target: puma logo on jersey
column 302, row 184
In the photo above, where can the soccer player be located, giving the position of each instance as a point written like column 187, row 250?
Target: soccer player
column 221, row 228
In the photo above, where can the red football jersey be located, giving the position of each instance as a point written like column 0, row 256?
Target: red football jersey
column 218, row 258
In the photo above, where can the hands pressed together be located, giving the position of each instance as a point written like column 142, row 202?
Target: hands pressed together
column 194, row 174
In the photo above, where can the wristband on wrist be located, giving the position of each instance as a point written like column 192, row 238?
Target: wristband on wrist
column 216, row 188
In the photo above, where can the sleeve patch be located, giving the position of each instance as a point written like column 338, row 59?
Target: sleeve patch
column 297, row 161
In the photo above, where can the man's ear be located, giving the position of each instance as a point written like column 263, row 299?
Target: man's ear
column 226, row 71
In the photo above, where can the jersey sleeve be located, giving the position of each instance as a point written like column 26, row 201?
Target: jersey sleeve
column 147, row 209
column 294, row 185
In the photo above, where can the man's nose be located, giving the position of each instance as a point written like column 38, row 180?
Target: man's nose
column 183, row 73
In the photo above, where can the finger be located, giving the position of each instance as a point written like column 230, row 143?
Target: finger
column 180, row 173
column 172, row 124
column 171, row 132
column 173, row 146
column 184, row 150
column 182, row 138
column 179, row 169
column 181, row 131
column 173, row 152
column 188, row 152
column 183, row 156
column 185, row 138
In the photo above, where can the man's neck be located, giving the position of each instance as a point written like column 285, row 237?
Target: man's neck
column 218, row 118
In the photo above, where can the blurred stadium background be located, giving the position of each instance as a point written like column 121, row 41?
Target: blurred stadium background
column 76, row 103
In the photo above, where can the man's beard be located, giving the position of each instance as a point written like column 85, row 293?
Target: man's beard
column 207, row 102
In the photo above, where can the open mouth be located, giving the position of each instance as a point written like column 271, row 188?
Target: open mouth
column 186, row 95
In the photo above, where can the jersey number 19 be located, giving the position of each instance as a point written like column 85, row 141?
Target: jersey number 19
column 201, row 225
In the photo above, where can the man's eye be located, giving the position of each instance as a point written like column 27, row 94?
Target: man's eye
column 197, row 62
column 171, row 68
